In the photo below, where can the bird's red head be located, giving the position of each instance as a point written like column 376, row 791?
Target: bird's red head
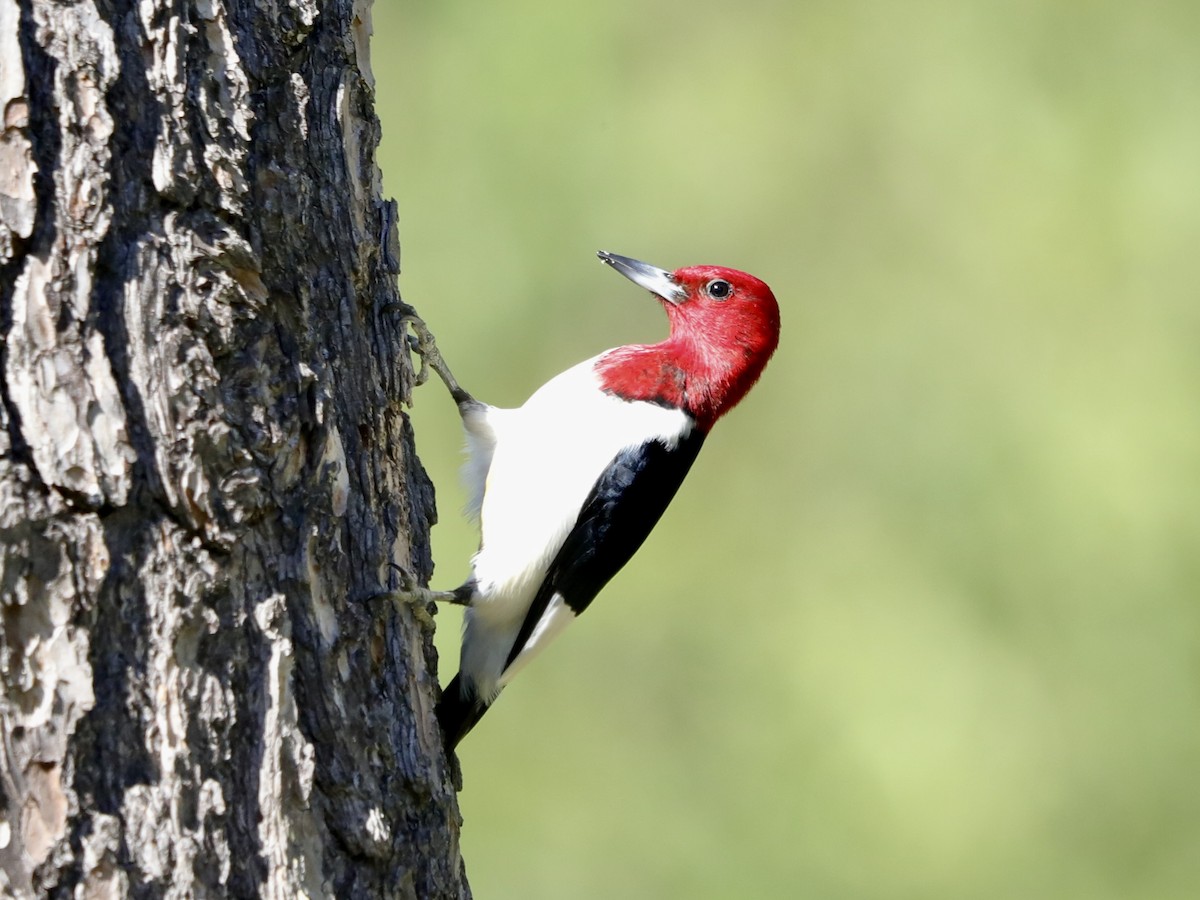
column 724, row 328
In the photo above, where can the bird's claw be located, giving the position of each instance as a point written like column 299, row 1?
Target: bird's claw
column 421, row 601
column 415, row 601
column 422, row 343
column 423, row 613
column 408, row 595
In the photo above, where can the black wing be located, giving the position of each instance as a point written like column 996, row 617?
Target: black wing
column 625, row 504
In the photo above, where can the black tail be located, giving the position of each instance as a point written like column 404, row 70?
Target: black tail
column 457, row 712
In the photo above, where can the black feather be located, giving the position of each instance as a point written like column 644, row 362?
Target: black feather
column 457, row 713
column 623, row 507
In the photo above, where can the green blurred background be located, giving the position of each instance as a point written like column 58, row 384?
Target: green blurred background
column 923, row 622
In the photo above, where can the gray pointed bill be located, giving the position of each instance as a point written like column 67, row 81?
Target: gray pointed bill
column 655, row 280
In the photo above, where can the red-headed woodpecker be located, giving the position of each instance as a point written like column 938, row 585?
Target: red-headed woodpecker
column 568, row 486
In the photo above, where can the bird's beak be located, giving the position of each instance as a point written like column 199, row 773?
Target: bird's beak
column 653, row 279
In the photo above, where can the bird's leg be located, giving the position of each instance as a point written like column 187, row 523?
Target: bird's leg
column 418, row 598
column 422, row 343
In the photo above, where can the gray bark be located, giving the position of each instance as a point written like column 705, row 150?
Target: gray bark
column 205, row 468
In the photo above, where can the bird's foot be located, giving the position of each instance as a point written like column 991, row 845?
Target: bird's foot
column 417, row 598
column 422, row 343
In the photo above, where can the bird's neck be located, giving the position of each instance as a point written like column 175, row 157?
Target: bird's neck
column 703, row 380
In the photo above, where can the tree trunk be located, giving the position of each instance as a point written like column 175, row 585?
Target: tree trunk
column 205, row 470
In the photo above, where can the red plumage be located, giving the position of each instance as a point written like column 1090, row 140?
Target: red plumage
column 717, row 349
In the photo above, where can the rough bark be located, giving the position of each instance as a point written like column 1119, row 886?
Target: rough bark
column 205, row 468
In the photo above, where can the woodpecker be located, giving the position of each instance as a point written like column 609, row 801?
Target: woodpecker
column 567, row 486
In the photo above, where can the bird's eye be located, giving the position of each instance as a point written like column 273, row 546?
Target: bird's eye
column 718, row 289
